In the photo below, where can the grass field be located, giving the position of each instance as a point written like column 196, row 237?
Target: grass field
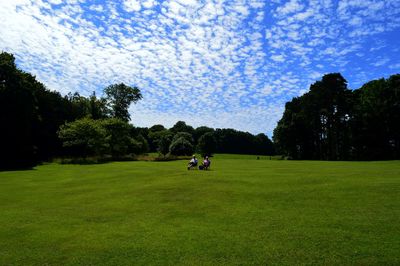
column 244, row 211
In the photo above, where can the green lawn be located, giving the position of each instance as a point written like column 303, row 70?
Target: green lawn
column 243, row 211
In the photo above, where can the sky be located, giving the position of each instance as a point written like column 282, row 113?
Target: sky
column 222, row 64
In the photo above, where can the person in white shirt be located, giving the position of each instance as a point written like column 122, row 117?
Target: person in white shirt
column 192, row 162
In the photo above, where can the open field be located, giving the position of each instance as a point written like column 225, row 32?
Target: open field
column 243, row 211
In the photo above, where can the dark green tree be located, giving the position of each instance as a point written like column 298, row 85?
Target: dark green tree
column 119, row 98
column 98, row 107
column 393, row 85
column 18, row 115
column 84, row 137
column 316, row 125
column 181, row 146
column 330, row 103
column 53, row 110
column 80, row 105
column 200, row 131
column 291, row 134
column 152, row 136
column 117, row 137
column 141, row 135
column 187, row 136
column 156, row 128
column 234, row 141
column 181, row 126
column 155, row 138
column 263, row 145
column 163, row 141
column 207, row 144
column 375, row 120
column 139, row 145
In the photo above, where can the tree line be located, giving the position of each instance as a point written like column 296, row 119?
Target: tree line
column 329, row 122
column 38, row 124
column 183, row 139
column 332, row 122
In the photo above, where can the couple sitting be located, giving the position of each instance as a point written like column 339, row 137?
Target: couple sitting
column 204, row 166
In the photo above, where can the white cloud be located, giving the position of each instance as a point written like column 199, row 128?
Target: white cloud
column 133, row 5
column 290, row 7
column 278, row 58
column 380, row 62
column 149, row 3
column 187, row 2
column 55, row 2
column 396, row 67
column 98, row 8
column 355, row 21
column 216, row 63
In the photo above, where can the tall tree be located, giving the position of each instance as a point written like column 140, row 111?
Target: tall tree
column 163, row 141
column 120, row 97
column 375, row 125
column 18, row 115
column 263, row 145
column 393, row 85
column 316, row 125
column 207, row 144
column 330, row 122
column 181, row 126
column 329, row 116
column 117, row 136
column 98, row 107
column 200, row 131
column 292, row 135
column 156, row 128
column 54, row 110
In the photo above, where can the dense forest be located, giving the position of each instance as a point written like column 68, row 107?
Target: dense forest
column 38, row 124
column 332, row 122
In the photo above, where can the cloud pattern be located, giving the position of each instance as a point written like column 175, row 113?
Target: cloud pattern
column 216, row 63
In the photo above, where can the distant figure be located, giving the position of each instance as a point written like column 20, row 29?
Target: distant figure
column 206, row 164
column 192, row 162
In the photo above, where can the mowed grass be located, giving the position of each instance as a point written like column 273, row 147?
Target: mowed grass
column 242, row 212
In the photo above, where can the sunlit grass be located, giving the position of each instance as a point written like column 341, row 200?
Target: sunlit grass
column 242, row 211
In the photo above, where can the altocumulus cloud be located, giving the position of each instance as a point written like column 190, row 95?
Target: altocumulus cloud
column 216, row 63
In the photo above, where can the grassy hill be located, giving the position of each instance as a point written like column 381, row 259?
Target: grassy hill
column 243, row 211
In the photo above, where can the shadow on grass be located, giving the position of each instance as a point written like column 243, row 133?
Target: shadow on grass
column 92, row 160
column 18, row 168
column 108, row 159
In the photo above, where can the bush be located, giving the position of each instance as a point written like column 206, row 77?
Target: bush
column 139, row 145
column 181, row 147
column 184, row 135
column 117, row 136
column 84, row 137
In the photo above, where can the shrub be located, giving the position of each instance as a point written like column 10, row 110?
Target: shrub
column 84, row 137
column 181, row 147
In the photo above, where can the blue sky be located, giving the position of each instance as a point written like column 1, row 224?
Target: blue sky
column 224, row 64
